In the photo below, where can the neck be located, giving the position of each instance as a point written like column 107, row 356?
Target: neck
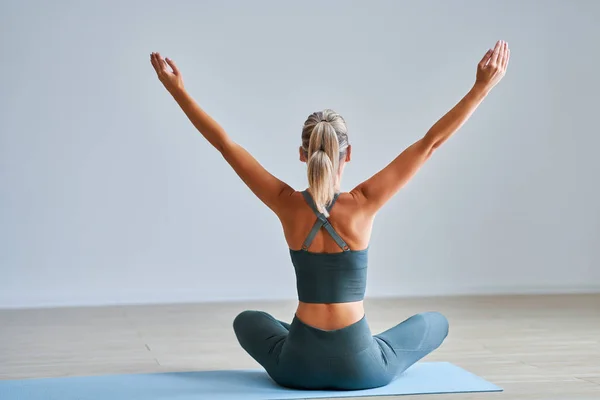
column 338, row 183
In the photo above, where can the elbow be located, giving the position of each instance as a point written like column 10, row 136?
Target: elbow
column 220, row 148
column 223, row 146
column 428, row 146
column 433, row 148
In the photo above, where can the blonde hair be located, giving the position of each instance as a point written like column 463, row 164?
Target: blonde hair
column 325, row 142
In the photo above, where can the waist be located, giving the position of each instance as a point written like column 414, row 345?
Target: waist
column 330, row 316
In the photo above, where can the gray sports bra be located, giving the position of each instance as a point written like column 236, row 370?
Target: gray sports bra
column 329, row 277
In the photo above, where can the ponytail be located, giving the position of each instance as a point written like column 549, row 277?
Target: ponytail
column 323, row 163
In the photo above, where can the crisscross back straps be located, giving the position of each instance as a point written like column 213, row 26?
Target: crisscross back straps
column 322, row 221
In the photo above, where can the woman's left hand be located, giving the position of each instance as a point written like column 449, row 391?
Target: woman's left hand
column 170, row 77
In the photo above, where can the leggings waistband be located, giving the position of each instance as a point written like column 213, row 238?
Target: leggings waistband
column 339, row 342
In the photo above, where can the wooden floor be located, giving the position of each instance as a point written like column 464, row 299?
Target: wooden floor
column 535, row 347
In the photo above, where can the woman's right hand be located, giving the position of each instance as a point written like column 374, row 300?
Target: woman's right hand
column 492, row 67
column 170, row 77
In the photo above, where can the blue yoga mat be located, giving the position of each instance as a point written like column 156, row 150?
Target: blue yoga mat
column 421, row 378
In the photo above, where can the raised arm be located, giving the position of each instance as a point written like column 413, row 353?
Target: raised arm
column 265, row 186
column 378, row 189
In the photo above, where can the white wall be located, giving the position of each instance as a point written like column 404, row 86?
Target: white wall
column 108, row 195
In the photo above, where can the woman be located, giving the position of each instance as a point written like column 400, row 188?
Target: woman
column 329, row 344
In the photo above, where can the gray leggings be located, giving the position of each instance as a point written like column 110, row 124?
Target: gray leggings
column 303, row 357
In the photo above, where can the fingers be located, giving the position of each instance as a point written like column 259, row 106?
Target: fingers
column 158, row 63
column 161, row 62
column 505, row 64
column 503, row 55
column 496, row 54
column 173, row 66
column 486, row 58
column 161, row 66
column 154, row 63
